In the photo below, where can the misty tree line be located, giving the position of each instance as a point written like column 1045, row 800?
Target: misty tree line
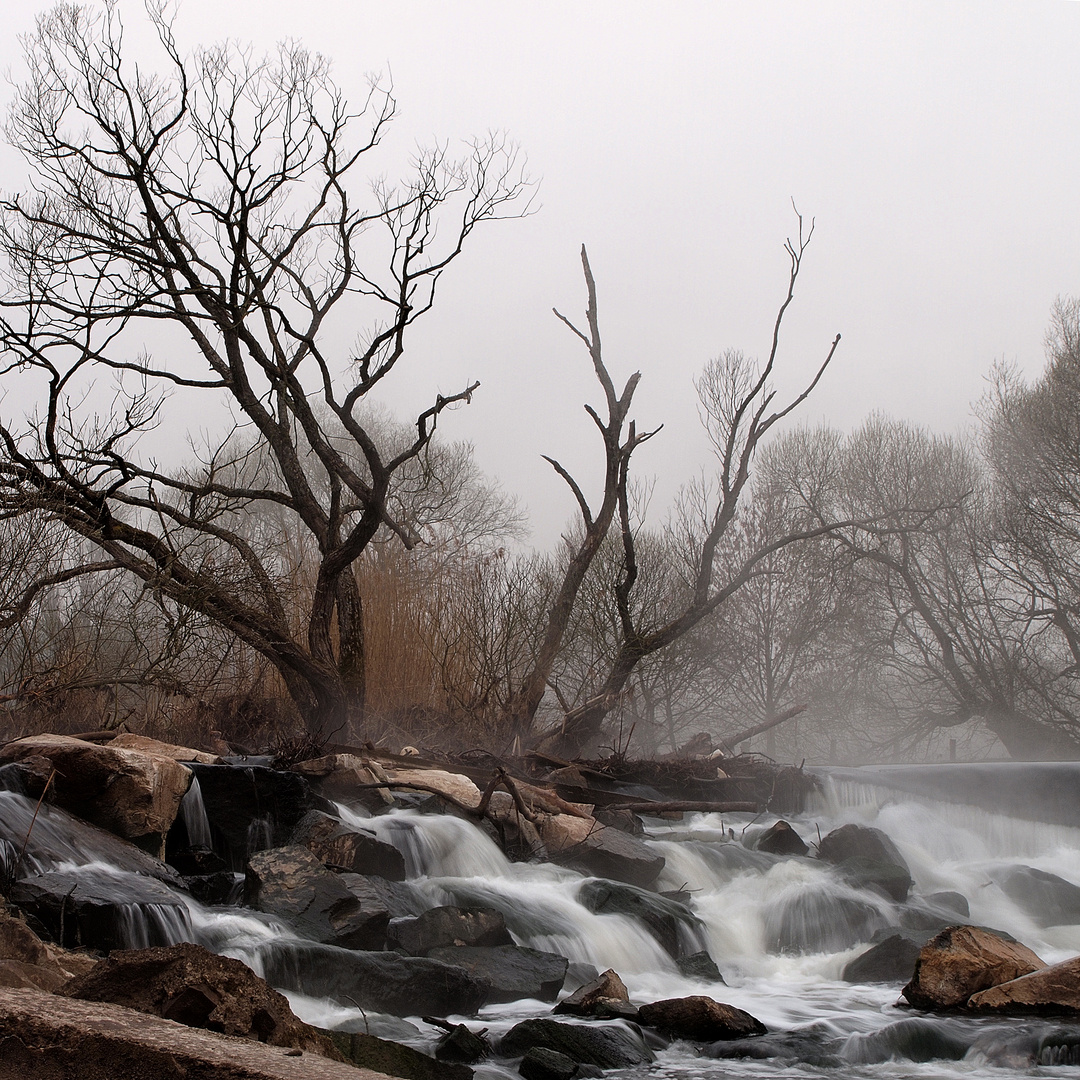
column 197, row 237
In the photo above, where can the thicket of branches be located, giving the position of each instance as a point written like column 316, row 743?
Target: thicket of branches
column 320, row 565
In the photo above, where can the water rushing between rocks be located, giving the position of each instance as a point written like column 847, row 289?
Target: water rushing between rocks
column 781, row 929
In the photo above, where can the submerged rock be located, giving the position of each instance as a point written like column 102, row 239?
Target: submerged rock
column 190, row 985
column 962, row 960
column 816, row 919
column 670, row 922
column 513, row 971
column 781, row 839
column 611, row 1046
column 700, row 1019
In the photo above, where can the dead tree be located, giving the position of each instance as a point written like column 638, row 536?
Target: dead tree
column 737, row 402
column 192, row 234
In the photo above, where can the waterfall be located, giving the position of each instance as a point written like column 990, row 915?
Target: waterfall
column 193, row 815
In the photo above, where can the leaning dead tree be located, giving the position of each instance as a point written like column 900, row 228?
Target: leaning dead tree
column 738, row 403
column 191, row 235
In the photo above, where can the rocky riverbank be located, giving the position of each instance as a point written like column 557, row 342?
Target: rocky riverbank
column 108, row 844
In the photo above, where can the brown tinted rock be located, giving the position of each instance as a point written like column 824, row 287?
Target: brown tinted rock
column 782, row 839
column 605, row 996
column 131, row 793
column 700, row 1019
column 145, row 745
column 1050, row 991
column 456, row 786
column 190, row 985
column 346, row 777
column 961, row 961
column 348, row 850
column 47, row 1037
column 596, row 849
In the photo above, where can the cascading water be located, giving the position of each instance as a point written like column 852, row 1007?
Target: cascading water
column 781, row 929
column 193, row 815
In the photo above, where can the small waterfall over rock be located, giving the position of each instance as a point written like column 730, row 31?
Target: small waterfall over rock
column 193, row 815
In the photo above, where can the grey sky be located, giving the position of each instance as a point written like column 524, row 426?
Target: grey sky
column 937, row 145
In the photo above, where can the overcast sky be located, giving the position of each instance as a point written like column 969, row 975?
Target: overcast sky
column 937, row 145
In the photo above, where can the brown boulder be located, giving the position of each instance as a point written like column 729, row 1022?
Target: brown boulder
column 145, row 745
column 190, row 985
column 700, row 1019
column 26, row 960
column 345, row 777
column 132, row 793
column 47, row 1037
column 1050, row 991
column 606, row 996
column 961, row 961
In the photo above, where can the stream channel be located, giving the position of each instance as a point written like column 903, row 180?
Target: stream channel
column 781, row 929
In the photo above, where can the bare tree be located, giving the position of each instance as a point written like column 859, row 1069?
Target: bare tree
column 215, row 201
column 738, row 405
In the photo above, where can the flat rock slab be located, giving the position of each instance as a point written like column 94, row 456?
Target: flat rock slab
column 1051, row 991
column 43, row 1037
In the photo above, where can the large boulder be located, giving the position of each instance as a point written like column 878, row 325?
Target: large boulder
column 867, row 857
column 586, row 845
column 251, row 807
column 132, row 793
column 1050, row 991
column 1051, row 900
column 699, row 1019
column 443, row 927
column 291, row 882
column 514, row 972
column 45, row 1036
column 891, row 960
column 90, row 907
column 673, row 924
column 605, row 996
column 348, row 850
column 962, row 960
column 781, row 839
column 193, row 986
column 610, row 1046
column 377, row 981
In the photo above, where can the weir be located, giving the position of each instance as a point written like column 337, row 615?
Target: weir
column 781, row 929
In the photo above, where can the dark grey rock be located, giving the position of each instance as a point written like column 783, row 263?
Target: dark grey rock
column 670, row 922
column 781, row 839
column 541, row 1063
column 610, row 1046
column 462, row 1045
column 817, row 920
column 890, row 961
column 614, row 854
column 1050, row 899
column 442, row 927
column 348, row 850
column 700, row 966
column 513, row 971
column 869, row 856
column 394, row 1059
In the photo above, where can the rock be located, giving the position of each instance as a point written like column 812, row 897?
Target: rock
column 457, row 787
column 134, row 794
column 45, row 1036
column 195, row 862
column 1051, row 900
column 25, row 960
column 611, row 1046
column 868, row 857
column 889, row 961
column 596, row 849
column 700, row 1019
column 251, row 807
column 348, row 850
column 441, row 927
column 394, row 1059
column 962, row 960
column 949, row 901
column 90, row 907
column 543, row 1064
column 934, row 912
column 671, row 923
column 1050, row 991
column 626, row 820
column 699, row 966
column 292, row 883
column 380, row 981
column 462, row 1045
column 816, row 920
column 128, row 741
column 604, row 997
column 29, row 776
column 342, row 777
column 193, row 986
column 397, row 898
column 513, row 971
column 781, row 839
column 223, row 887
